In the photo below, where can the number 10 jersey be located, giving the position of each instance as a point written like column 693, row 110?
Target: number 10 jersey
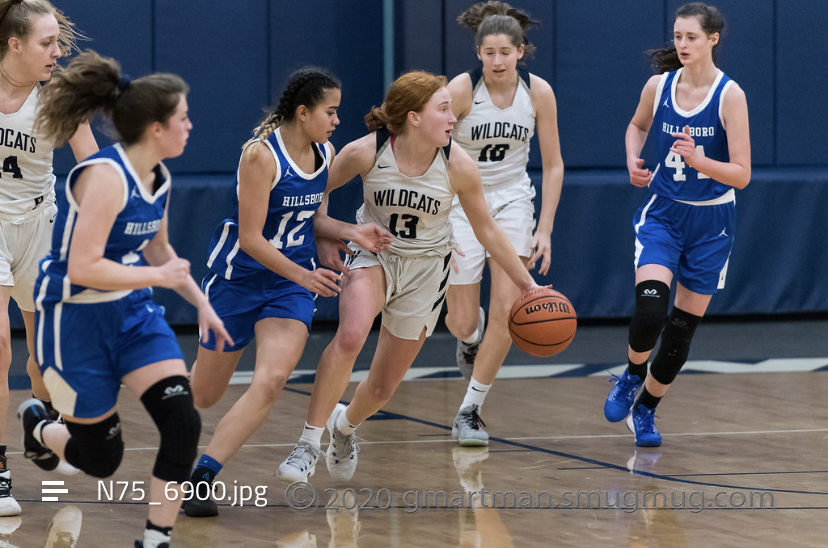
column 498, row 139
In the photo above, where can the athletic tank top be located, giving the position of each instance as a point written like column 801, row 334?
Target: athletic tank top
column 136, row 224
column 673, row 178
column 414, row 209
column 498, row 139
column 294, row 198
column 26, row 178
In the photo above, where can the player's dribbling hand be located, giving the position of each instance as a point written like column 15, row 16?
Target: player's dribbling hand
column 639, row 176
column 372, row 237
column 322, row 281
column 174, row 273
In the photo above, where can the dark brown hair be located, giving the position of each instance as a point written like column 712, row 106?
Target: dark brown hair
column 493, row 17
column 91, row 83
column 711, row 21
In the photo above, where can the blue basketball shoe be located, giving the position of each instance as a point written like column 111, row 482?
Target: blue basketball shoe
column 622, row 396
column 642, row 423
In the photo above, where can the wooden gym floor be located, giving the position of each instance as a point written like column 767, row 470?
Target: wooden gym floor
column 742, row 462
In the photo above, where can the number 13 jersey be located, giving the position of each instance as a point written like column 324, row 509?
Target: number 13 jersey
column 673, row 178
column 498, row 139
column 414, row 209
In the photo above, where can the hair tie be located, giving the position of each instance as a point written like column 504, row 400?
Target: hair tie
column 123, row 84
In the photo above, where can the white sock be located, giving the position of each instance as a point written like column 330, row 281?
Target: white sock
column 38, row 432
column 473, row 338
column 343, row 425
column 312, row 435
column 475, row 394
column 153, row 538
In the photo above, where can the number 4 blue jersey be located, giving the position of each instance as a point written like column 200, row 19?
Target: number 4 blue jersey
column 673, row 178
column 294, row 198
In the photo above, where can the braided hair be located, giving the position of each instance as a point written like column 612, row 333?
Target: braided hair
column 494, row 17
column 306, row 86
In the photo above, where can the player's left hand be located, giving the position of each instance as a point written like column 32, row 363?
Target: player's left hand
column 328, row 249
column 541, row 249
column 372, row 237
column 208, row 321
column 685, row 146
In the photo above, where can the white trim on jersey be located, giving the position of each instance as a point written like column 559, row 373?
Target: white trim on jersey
column 659, row 91
column 150, row 198
column 209, row 284
column 721, row 102
column 56, row 337
column 644, row 213
column 701, row 106
column 71, row 197
column 230, row 257
column 39, row 307
column 299, row 172
column 224, row 232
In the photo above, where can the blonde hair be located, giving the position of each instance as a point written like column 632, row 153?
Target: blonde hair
column 16, row 21
column 410, row 92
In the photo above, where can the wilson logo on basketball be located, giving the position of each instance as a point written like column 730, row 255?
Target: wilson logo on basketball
column 549, row 307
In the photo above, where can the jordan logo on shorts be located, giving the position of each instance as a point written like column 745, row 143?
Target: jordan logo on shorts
column 724, row 233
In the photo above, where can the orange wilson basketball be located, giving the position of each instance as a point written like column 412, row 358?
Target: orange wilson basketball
column 542, row 322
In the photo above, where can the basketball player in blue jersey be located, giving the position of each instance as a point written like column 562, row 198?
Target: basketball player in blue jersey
column 410, row 172
column 96, row 324
column 686, row 227
column 498, row 107
column 33, row 36
column 262, row 276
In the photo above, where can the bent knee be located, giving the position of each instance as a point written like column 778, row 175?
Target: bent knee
column 349, row 341
column 269, row 387
column 206, row 398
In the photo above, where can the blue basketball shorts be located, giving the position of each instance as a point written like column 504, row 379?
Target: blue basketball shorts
column 85, row 349
column 693, row 241
column 241, row 303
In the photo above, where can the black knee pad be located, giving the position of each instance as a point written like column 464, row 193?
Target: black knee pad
column 170, row 404
column 675, row 346
column 652, row 301
column 98, row 448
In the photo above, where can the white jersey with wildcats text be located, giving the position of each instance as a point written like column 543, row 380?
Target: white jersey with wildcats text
column 414, row 209
column 26, row 178
column 498, row 139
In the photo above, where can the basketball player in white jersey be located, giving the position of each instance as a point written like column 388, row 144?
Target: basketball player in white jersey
column 411, row 172
column 499, row 107
column 33, row 35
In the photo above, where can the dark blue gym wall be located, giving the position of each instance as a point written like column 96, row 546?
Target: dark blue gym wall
column 237, row 55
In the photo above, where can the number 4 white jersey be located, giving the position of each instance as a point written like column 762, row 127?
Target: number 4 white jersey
column 26, row 178
column 498, row 139
column 414, row 209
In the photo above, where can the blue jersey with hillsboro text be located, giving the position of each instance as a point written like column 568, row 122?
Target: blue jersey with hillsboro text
column 673, row 178
column 135, row 226
column 294, row 198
